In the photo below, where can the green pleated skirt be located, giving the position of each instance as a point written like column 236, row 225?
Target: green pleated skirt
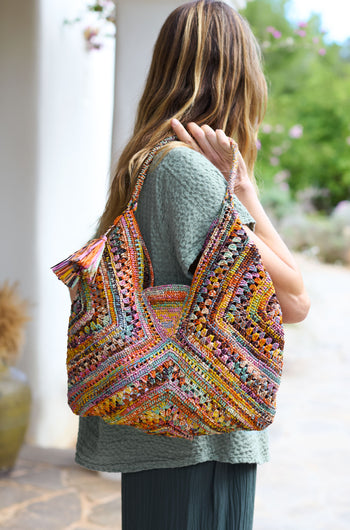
column 207, row 496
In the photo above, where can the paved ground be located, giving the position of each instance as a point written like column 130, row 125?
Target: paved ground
column 48, row 491
column 306, row 486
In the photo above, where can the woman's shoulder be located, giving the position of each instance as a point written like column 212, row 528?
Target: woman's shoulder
column 182, row 167
column 185, row 173
column 180, row 153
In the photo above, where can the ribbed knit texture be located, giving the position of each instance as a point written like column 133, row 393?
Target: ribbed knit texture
column 209, row 496
column 180, row 198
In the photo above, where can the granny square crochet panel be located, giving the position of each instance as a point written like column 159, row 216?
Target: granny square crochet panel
column 172, row 359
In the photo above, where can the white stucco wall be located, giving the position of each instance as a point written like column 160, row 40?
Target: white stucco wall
column 19, row 139
column 75, row 118
column 56, row 108
column 56, row 117
column 133, row 57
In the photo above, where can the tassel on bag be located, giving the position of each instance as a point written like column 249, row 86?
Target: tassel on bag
column 86, row 261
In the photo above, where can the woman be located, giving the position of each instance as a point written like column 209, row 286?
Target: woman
column 205, row 69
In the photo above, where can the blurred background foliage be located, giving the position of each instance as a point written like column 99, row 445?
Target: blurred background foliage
column 303, row 166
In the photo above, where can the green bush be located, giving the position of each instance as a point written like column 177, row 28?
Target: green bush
column 306, row 134
column 326, row 237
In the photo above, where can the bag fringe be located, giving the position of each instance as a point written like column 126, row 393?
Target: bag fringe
column 85, row 261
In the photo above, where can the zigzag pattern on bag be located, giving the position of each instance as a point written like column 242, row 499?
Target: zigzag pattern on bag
column 175, row 360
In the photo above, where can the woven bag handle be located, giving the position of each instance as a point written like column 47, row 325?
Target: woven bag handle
column 233, row 173
column 132, row 204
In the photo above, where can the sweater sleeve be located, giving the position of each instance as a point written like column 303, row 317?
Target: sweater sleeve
column 191, row 193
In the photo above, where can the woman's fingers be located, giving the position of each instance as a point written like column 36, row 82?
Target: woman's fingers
column 223, row 140
column 196, row 137
column 214, row 145
column 183, row 135
column 202, row 136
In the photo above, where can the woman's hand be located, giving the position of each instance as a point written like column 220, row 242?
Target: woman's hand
column 216, row 147
column 278, row 260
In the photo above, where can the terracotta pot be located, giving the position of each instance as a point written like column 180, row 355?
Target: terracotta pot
column 15, row 399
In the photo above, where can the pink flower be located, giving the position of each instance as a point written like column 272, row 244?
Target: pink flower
column 284, row 186
column 282, row 176
column 296, row 131
column 274, row 161
column 270, row 29
column 315, row 40
column 258, row 144
column 322, row 51
column 301, row 33
column 302, row 24
column 91, row 37
column 277, row 150
column 266, row 128
column 277, row 34
column 90, row 33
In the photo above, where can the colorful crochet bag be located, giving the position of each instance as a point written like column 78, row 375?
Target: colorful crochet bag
column 172, row 359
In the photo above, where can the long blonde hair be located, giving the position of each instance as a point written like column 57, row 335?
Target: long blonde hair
column 206, row 68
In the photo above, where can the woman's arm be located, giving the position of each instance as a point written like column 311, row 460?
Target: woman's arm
column 277, row 259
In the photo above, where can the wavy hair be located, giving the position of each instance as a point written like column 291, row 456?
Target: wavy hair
column 206, row 68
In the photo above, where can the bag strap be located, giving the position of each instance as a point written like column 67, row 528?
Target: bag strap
column 132, row 204
column 233, row 173
column 87, row 259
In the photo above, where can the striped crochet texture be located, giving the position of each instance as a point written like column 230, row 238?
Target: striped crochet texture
column 172, row 359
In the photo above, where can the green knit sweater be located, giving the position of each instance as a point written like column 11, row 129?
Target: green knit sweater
column 180, row 198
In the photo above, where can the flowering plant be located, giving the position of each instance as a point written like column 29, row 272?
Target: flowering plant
column 98, row 21
column 304, row 37
column 304, row 142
